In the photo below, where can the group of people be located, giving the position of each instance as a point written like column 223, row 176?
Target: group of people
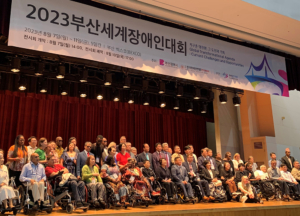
column 101, row 165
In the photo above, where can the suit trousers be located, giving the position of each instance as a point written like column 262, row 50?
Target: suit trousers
column 170, row 187
column 283, row 186
column 203, row 184
column 38, row 189
column 296, row 187
column 187, row 189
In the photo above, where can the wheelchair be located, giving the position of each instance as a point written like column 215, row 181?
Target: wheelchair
column 16, row 201
column 196, row 189
column 62, row 197
column 180, row 196
column 134, row 198
column 157, row 187
column 293, row 194
column 26, row 203
column 111, row 200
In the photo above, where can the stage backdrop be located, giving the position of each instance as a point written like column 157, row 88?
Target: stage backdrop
column 82, row 31
column 51, row 116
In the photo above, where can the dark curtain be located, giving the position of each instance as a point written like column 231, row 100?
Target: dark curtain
column 5, row 8
column 50, row 116
column 293, row 72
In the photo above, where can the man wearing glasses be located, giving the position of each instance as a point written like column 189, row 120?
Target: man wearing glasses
column 105, row 150
column 82, row 157
column 59, row 149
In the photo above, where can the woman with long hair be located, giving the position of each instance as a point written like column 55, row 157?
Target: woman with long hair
column 17, row 157
column 68, row 159
column 111, row 173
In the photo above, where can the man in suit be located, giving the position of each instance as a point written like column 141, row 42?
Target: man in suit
column 228, row 159
column 177, row 154
column 168, row 156
column 128, row 150
column 191, row 168
column 212, row 161
column 187, row 151
column 180, row 177
column 219, row 162
column 288, row 160
column 145, row 155
column 82, row 157
column 158, row 154
column 104, row 149
column 202, row 158
column 273, row 157
column 97, row 149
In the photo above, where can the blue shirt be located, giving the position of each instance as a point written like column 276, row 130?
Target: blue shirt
column 32, row 171
column 278, row 163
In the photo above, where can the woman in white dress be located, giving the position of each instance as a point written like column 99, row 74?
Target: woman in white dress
column 6, row 192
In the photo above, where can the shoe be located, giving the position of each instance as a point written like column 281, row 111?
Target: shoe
column 45, row 204
column 35, row 206
column 96, row 203
column 101, row 201
column 261, row 201
column 205, row 198
column 186, row 199
column 244, row 198
column 79, row 204
column 85, row 204
column 211, row 198
column 155, row 193
column 171, row 199
column 118, row 204
column 192, row 198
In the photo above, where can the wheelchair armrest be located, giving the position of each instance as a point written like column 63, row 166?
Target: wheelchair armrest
column 55, row 176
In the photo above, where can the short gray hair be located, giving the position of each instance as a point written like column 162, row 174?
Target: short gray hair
column 88, row 142
column 164, row 144
column 133, row 148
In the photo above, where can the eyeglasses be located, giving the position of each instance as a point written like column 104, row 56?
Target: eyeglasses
column 59, row 140
column 89, row 146
column 104, row 141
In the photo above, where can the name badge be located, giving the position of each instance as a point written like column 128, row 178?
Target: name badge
column 114, row 176
column 97, row 160
column 131, row 178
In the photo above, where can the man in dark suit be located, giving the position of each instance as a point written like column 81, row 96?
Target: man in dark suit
column 191, row 168
column 201, row 159
column 219, row 162
column 187, row 151
column 288, row 160
column 228, row 159
column 82, row 157
column 145, row 155
column 156, row 156
column 97, row 149
column 168, row 156
column 212, row 161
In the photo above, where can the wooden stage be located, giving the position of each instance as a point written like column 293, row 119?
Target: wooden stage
column 271, row 208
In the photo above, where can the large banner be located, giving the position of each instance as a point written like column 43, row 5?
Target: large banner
column 77, row 30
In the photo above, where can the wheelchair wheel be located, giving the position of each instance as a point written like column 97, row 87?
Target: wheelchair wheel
column 26, row 210
column 15, row 212
column 49, row 211
column 70, row 208
column 85, row 210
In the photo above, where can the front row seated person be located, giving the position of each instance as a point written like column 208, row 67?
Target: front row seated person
column 164, row 175
column 33, row 173
column 76, row 186
column 91, row 176
column 227, row 178
column 150, row 176
column 275, row 176
column 250, row 174
column 111, row 175
column 181, row 178
column 134, row 176
column 262, row 173
column 6, row 192
column 248, row 196
column 290, row 180
column 191, row 167
column 210, row 175
column 240, row 173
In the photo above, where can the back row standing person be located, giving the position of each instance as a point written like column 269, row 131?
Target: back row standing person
column 288, row 160
column 59, row 149
column 97, row 149
column 159, row 154
column 17, row 157
column 32, row 147
column 145, row 155
column 73, row 140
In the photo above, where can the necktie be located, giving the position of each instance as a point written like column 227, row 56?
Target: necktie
column 191, row 168
column 167, row 159
column 88, row 154
column 159, row 155
column 147, row 156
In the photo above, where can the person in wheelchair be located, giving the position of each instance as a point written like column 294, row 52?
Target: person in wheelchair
column 164, row 176
column 191, row 167
column 250, row 174
column 227, row 179
column 6, row 192
column 248, row 194
column 76, row 186
column 134, row 176
column 111, row 175
column 290, row 180
column 91, row 176
column 150, row 176
column 240, row 173
column 180, row 177
column 33, row 173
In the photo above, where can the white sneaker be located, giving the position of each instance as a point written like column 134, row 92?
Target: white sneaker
column 244, row 198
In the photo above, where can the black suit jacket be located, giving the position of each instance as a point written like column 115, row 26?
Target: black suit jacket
column 142, row 157
column 206, row 175
column 194, row 167
column 285, row 161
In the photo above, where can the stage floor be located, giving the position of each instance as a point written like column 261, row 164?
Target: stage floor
column 272, row 208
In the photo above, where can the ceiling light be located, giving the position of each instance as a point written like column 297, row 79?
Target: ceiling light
column 236, row 100
column 99, row 93
column 190, row 107
column 131, row 98
column 179, row 91
column 162, row 87
column 197, row 94
column 39, row 70
column 61, row 72
column 22, row 83
column 223, row 97
column 83, row 90
column 146, row 101
column 44, row 86
column 117, row 96
column 203, row 108
column 176, row 105
column 64, row 89
column 108, row 79
column 127, row 82
column 15, row 64
column 162, row 102
column 84, row 75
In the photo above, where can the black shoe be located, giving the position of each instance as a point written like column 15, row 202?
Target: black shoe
column 85, row 204
column 43, row 205
column 192, row 198
column 79, row 204
column 96, row 203
column 35, row 206
column 186, row 199
column 102, row 202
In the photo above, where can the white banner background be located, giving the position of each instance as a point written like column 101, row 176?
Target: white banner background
column 48, row 26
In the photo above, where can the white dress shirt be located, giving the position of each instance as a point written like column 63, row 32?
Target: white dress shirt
column 287, row 176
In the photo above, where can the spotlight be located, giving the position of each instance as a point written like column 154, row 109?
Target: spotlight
column 22, row 83
column 127, row 82
column 44, row 86
column 145, row 85
column 223, row 97
column 146, row 101
column 162, row 87
column 236, row 100
column 176, row 105
column 131, row 98
column 203, row 108
column 15, row 64
column 61, row 72
column 84, row 75
column 117, row 96
column 83, row 91
column 162, row 102
column 99, row 93
column 64, row 89
column 179, row 91
column 190, row 107
column 108, row 79
column 197, row 94
column 210, row 95
column 39, row 70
